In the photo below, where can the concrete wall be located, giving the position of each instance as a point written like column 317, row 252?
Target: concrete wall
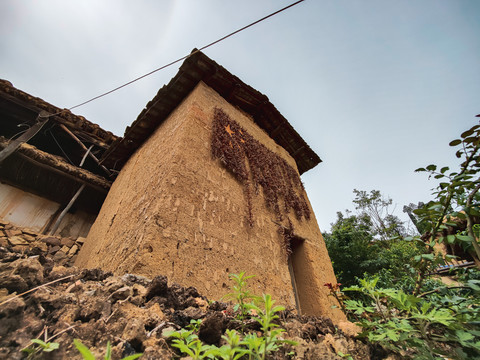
column 175, row 211
column 27, row 210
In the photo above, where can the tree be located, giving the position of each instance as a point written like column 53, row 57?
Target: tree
column 385, row 225
column 443, row 321
column 350, row 247
column 364, row 244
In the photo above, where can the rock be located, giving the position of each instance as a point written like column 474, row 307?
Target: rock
column 19, row 248
column 13, row 283
column 337, row 343
column 30, row 270
column 80, row 240
column 211, row 329
column 4, row 242
column 59, row 256
column 201, row 303
column 349, row 328
column 139, row 290
column 73, row 250
column 65, row 249
column 94, row 274
column 60, row 271
column 20, row 275
column 158, row 287
column 67, row 242
column 193, row 313
column 135, row 279
column 54, row 249
column 12, row 307
column 17, row 240
column 29, row 238
column 40, row 245
column 30, row 232
column 309, row 331
column 12, row 232
column 134, row 331
column 50, row 240
column 113, row 284
column 122, row 293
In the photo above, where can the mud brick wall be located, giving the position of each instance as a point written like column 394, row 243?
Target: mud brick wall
column 176, row 211
column 62, row 250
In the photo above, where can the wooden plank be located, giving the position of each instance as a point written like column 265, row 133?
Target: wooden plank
column 42, row 119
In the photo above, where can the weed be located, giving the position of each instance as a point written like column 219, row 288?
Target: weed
column 254, row 346
column 241, row 293
column 271, row 340
column 87, row 354
column 188, row 343
column 42, row 346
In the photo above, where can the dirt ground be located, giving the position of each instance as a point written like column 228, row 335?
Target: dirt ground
column 133, row 313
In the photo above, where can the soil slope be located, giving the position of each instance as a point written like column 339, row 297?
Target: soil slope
column 131, row 312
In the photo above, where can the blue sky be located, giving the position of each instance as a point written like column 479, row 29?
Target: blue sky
column 377, row 88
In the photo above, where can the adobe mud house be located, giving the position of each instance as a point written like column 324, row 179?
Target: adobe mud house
column 208, row 184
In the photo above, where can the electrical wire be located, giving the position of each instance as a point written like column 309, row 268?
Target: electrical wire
column 180, row 59
column 64, row 153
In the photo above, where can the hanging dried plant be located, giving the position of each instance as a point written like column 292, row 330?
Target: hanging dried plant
column 254, row 164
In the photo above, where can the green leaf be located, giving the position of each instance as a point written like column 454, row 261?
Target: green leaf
column 474, row 284
column 28, row 350
column 450, row 239
column 108, row 353
column 51, row 347
column 443, row 185
column 42, row 343
column 420, row 169
column 86, row 354
column 132, row 357
column 432, row 167
column 455, row 142
column 428, row 256
column 464, row 238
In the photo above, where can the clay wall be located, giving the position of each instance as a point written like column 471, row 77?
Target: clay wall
column 174, row 210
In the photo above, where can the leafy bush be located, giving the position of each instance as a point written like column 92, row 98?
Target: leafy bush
column 412, row 313
column 419, row 327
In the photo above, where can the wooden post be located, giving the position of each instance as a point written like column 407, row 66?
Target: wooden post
column 72, row 201
column 64, row 212
column 77, row 140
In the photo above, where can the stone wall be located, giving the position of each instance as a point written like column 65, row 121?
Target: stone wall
column 176, row 211
column 62, row 250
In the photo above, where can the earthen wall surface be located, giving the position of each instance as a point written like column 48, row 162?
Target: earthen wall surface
column 174, row 210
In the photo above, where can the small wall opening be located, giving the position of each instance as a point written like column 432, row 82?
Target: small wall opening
column 302, row 275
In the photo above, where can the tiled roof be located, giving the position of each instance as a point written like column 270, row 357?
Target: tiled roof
column 198, row 67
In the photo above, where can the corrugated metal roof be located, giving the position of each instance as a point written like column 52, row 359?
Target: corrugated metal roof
column 198, row 67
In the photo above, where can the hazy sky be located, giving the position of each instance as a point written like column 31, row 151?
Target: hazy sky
column 377, row 88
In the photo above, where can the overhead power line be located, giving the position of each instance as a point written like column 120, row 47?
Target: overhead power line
column 184, row 57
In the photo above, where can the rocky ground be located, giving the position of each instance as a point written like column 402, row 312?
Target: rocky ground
column 131, row 312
